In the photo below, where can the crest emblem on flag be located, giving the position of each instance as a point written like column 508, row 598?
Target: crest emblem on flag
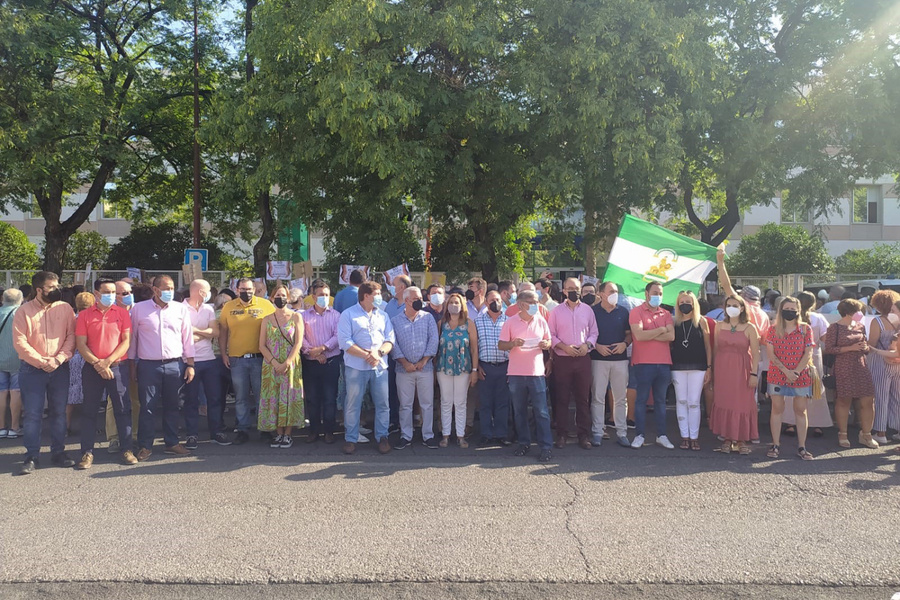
column 659, row 272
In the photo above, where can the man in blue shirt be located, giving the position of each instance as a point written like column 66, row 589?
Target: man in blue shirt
column 366, row 336
column 609, row 364
column 393, row 308
column 347, row 297
column 493, row 390
column 417, row 343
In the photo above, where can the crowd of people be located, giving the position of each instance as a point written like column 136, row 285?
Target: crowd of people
column 520, row 355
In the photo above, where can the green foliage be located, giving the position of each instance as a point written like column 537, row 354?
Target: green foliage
column 16, row 252
column 778, row 250
column 84, row 247
column 161, row 246
column 880, row 259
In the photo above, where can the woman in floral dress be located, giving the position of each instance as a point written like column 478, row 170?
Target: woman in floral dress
column 281, row 392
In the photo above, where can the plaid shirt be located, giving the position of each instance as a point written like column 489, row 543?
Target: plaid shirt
column 416, row 339
column 489, row 336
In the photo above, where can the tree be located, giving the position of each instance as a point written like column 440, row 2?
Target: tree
column 161, row 246
column 16, row 252
column 779, row 250
column 92, row 93
column 84, row 247
column 880, row 259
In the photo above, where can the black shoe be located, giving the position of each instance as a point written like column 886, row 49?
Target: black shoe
column 29, row 466
column 393, row 428
column 504, row 442
column 521, row 451
column 62, row 459
column 222, row 439
column 191, row 442
column 241, row 437
column 431, row 443
column 403, row 443
column 545, row 455
column 630, row 423
column 485, row 441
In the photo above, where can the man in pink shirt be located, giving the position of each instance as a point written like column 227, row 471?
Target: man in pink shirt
column 652, row 329
column 573, row 331
column 525, row 336
column 163, row 344
column 44, row 339
column 321, row 360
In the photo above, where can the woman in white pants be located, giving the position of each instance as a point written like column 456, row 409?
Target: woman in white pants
column 690, row 367
column 457, row 367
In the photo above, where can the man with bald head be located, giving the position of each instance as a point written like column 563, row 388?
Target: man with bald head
column 207, row 372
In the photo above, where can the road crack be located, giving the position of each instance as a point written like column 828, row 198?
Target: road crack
column 569, row 509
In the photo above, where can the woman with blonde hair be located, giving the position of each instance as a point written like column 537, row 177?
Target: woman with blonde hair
column 281, row 392
column 883, row 332
column 790, row 348
column 846, row 339
column 691, row 364
column 734, row 416
column 457, row 367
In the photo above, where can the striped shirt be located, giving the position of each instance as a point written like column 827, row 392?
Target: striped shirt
column 488, row 338
column 321, row 330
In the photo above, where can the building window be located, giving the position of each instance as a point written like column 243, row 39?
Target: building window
column 793, row 211
column 109, row 210
column 866, row 200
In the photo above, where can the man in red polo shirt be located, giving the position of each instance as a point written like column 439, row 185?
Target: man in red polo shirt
column 102, row 335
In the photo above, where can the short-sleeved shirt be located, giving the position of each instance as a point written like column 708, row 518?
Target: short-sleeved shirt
column 651, row 352
column 525, row 362
column 200, row 319
column 104, row 330
column 612, row 327
column 789, row 350
column 346, row 298
column 488, row 336
column 243, row 323
column 9, row 360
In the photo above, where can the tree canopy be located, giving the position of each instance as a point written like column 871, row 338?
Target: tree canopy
column 779, row 250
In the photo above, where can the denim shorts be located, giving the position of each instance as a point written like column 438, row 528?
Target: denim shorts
column 782, row 390
column 9, row 381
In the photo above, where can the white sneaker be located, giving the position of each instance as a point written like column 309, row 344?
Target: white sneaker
column 365, row 430
column 638, row 441
column 880, row 439
column 362, row 439
column 664, row 442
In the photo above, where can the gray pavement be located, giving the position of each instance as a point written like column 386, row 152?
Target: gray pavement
column 609, row 522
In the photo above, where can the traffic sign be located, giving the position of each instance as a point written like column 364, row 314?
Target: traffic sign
column 192, row 254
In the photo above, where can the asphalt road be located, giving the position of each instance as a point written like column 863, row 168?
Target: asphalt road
column 252, row 522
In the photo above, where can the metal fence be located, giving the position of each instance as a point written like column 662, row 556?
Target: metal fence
column 18, row 278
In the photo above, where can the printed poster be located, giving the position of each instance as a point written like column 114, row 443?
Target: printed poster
column 344, row 274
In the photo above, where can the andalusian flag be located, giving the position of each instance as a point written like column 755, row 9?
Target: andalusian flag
column 644, row 252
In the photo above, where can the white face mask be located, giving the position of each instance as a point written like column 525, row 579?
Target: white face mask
column 454, row 309
column 733, row 311
column 613, row 298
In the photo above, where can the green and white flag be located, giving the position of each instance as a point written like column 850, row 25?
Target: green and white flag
column 644, row 253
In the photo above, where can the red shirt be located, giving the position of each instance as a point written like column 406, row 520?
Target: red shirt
column 789, row 350
column 653, row 352
column 103, row 330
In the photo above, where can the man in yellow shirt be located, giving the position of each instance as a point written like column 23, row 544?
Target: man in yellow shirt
column 239, row 327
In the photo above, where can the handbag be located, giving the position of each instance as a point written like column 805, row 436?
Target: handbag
column 817, row 386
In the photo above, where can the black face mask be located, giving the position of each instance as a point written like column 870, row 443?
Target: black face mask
column 470, row 295
column 588, row 298
column 494, row 306
column 279, row 302
column 789, row 315
column 686, row 309
column 572, row 296
column 54, row 296
column 417, row 305
column 246, row 296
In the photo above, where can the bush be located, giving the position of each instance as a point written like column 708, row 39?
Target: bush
column 16, row 252
column 780, row 249
column 85, row 247
column 880, row 259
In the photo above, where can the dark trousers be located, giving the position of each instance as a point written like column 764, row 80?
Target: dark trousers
column 160, row 385
column 207, row 373
column 572, row 381
column 493, row 395
column 393, row 396
column 96, row 389
column 320, row 385
column 37, row 386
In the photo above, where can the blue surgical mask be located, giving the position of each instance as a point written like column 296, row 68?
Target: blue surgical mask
column 437, row 299
column 108, row 299
column 205, row 297
column 539, row 293
column 655, row 301
column 532, row 309
column 322, row 301
column 393, row 290
column 512, row 298
column 167, row 295
column 378, row 300
column 128, row 300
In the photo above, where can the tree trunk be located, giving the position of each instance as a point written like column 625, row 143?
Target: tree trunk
column 267, row 234
column 718, row 231
column 591, row 240
column 485, row 241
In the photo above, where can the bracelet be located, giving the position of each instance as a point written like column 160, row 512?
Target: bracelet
column 754, row 375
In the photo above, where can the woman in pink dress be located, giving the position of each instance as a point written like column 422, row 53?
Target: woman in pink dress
column 734, row 415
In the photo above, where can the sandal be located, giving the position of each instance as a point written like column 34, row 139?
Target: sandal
column 685, row 444
column 695, row 444
column 773, row 451
column 804, row 454
column 843, row 442
column 725, row 448
column 743, row 449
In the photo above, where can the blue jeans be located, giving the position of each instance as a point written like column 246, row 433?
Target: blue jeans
column 320, row 383
column 96, row 390
column 36, row 386
column 208, row 374
column 160, row 385
column 377, row 384
column 493, row 396
column 522, row 389
column 246, row 377
column 654, row 378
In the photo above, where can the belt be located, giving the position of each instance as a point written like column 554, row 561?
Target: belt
column 250, row 355
column 163, row 361
column 494, row 364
